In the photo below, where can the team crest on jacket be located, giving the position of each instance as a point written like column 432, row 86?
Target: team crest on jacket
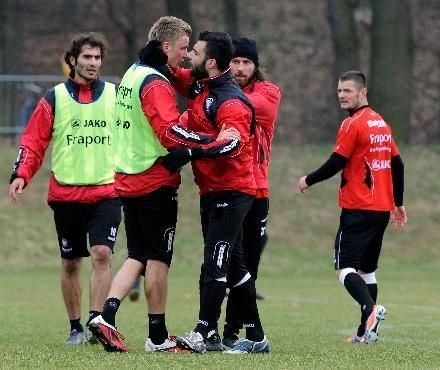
column 208, row 103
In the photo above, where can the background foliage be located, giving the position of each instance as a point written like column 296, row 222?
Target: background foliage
column 304, row 45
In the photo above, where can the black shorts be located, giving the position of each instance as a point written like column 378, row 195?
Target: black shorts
column 222, row 215
column 254, row 234
column 150, row 225
column 74, row 221
column 359, row 239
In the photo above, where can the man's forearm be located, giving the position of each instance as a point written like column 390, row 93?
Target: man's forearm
column 334, row 164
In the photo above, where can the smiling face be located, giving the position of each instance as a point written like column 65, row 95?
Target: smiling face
column 351, row 95
column 243, row 70
column 87, row 65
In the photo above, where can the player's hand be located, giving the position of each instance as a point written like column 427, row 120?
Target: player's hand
column 398, row 217
column 302, row 185
column 176, row 159
column 15, row 188
column 230, row 133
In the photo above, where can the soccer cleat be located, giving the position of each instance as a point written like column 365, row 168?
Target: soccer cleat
column 245, row 346
column 192, row 342
column 355, row 339
column 169, row 345
column 89, row 338
column 214, row 343
column 135, row 289
column 107, row 334
column 75, row 338
column 373, row 321
column 229, row 342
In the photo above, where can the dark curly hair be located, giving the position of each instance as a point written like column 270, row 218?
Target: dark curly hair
column 218, row 47
column 91, row 38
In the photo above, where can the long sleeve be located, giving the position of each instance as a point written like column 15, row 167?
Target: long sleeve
column 159, row 106
column 34, row 142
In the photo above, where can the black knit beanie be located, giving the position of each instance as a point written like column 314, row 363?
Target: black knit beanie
column 245, row 48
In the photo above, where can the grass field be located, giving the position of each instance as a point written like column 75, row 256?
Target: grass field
column 306, row 313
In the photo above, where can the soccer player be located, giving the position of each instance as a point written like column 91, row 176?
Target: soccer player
column 265, row 98
column 227, row 190
column 371, row 188
column 77, row 117
column 147, row 123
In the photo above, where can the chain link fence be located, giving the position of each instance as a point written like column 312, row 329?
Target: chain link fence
column 19, row 95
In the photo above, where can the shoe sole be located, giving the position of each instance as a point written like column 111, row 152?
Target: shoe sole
column 216, row 348
column 372, row 334
column 232, row 352
column 108, row 346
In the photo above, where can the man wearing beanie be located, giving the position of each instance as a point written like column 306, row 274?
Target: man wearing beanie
column 265, row 97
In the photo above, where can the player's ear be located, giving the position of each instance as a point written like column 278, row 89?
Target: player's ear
column 364, row 91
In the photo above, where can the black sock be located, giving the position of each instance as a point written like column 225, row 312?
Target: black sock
column 358, row 289
column 372, row 289
column 232, row 323
column 76, row 324
column 109, row 310
column 92, row 315
column 156, row 328
column 201, row 282
column 210, row 306
column 247, row 310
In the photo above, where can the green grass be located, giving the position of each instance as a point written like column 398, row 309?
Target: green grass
column 307, row 314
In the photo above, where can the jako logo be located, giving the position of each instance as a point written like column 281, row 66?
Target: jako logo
column 203, row 322
column 222, row 205
column 249, row 325
column 378, row 165
column 76, row 124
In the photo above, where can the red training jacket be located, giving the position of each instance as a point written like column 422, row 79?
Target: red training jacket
column 221, row 96
column 265, row 97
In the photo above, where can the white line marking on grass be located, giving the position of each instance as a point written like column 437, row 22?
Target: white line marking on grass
column 312, row 300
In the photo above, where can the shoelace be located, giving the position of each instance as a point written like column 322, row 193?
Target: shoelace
column 193, row 337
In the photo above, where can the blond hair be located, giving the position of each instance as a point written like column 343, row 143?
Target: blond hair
column 169, row 29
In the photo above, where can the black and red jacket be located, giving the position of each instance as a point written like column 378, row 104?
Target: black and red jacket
column 265, row 98
column 37, row 136
column 212, row 103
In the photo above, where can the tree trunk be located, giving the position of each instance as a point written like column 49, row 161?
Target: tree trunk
column 344, row 35
column 340, row 15
column 182, row 9
column 123, row 22
column 391, row 64
column 231, row 17
column 11, row 36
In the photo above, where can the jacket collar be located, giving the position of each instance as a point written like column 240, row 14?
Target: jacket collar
column 219, row 79
column 352, row 112
column 87, row 86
